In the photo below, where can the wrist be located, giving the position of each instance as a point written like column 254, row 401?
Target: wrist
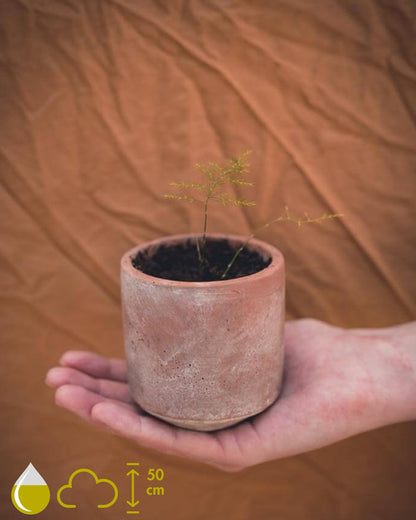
column 396, row 347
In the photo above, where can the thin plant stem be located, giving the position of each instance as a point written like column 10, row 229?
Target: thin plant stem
column 204, row 230
column 230, row 263
column 198, row 250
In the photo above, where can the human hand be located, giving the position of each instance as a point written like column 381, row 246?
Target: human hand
column 337, row 383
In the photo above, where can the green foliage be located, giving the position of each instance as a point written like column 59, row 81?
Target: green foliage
column 216, row 177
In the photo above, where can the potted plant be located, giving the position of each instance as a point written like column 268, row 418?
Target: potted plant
column 203, row 316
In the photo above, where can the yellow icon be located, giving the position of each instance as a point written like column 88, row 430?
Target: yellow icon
column 30, row 493
column 97, row 481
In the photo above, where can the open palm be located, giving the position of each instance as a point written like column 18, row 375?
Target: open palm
column 332, row 389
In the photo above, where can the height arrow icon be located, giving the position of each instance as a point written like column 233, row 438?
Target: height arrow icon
column 133, row 503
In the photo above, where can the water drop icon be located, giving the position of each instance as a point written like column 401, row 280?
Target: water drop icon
column 30, row 493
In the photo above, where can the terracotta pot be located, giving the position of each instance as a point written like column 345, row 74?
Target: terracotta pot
column 204, row 355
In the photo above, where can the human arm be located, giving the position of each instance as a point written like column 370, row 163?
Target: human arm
column 337, row 383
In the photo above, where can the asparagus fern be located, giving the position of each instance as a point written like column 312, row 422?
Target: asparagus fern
column 217, row 176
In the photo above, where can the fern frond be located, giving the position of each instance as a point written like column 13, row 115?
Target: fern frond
column 180, row 197
column 241, row 183
column 287, row 217
column 202, row 168
column 240, row 165
column 300, row 221
column 217, row 175
column 225, row 199
column 209, row 169
column 185, row 185
column 243, row 202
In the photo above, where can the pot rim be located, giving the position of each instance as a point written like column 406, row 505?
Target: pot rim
column 276, row 264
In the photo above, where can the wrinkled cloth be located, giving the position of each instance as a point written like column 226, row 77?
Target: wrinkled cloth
column 102, row 105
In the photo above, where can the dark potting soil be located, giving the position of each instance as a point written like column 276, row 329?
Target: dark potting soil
column 180, row 262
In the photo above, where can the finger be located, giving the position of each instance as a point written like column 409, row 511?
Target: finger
column 155, row 434
column 59, row 376
column 80, row 401
column 95, row 365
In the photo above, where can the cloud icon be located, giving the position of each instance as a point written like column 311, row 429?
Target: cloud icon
column 97, row 481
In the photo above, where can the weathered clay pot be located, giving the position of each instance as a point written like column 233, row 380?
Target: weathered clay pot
column 204, row 355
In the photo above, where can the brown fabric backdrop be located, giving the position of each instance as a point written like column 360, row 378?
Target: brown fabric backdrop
column 102, row 104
